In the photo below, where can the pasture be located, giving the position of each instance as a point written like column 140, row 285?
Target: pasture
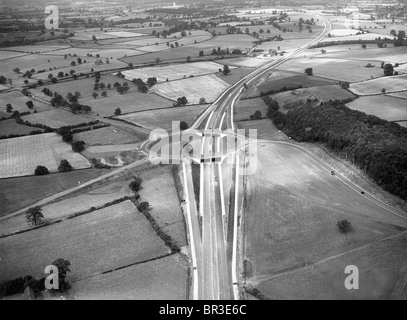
column 20, row 156
column 385, row 107
column 56, row 118
column 208, row 87
column 11, row 127
column 266, row 130
column 245, row 108
column 120, row 236
column 18, row 102
column 174, row 72
column 365, row 36
column 402, row 95
column 163, row 118
column 160, row 279
column 159, row 190
column 375, row 86
column 16, row 193
column 106, row 136
column 294, row 207
column 336, row 69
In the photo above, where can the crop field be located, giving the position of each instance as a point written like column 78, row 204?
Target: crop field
column 385, row 107
column 375, row 86
column 20, row 156
column 106, row 136
column 130, row 102
column 56, row 118
column 120, row 236
column 163, row 118
column 18, row 102
column 158, row 189
column 277, row 80
column 295, row 207
column 297, row 97
column 337, row 69
column 392, row 55
column 160, row 279
column 174, row 72
column 208, row 87
column 247, row 62
column 381, row 265
column 11, row 127
column 86, row 199
column 16, row 193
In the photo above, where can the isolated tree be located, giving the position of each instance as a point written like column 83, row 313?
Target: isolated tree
column 256, row 116
column 16, row 70
column 188, row 59
column 64, row 166
column 202, row 100
column 344, row 226
column 388, row 69
column 50, row 76
column 34, row 215
column 41, row 170
column 63, row 268
column 54, row 80
column 109, row 86
column 344, row 84
column 117, row 112
column 102, row 85
column 78, row 146
column 104, row 94
column 143, row 206
column 95, row 95
column 9, row 108
column 183, row 125
column 30, row 104
column 67, row 137
column 157, row 60
column 226, row 70
column 309, row 71
column 135, row 184
column 73, row 63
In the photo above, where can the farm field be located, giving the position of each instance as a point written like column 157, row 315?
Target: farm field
column 402, row 95
column 375, row 86
column 235, row 75
column 392, row 55
column 285, row 45
column 10, row 126
column 56, row 118
column 174, row 72
column 68, row 205
column 84, row 86
column 18, row 102
column 130, row 102
column 10, row 54
column 337, row 69
column 243, row 109
column 20, row 156
column 385, row 107
column 265, row 129
column 295, row 207
column 208, row 87
column 17, row 193
column 297, row 97
column 343, row 32
column 105, row 136
column 231, row 41
column 381, row 265
column 277, row 80
column 28, row 253
column 160, row 279
column 158, row 189
column 115, row 53
column 151, row 120
column 366, row 36
column 246, row 62
column 36, row 48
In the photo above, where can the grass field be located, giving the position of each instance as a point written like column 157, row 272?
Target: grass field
column 265, row 129
column 385, row 107
column 297, row 97
column 97, row 196
column 337, row 69
column 158, row 189
column 245, row 108
column 402, row 95
column 343, row 32
column 56, row 118
column 292, row 210
column 106, row 136
column 18, row 102
column 17, row 193
column 174, row 72
column 20, row 156
column 366, row 36
column 10, row 54
column 208, row 87
column 375, row 86
column 120, row 236
column 161, row 279
column 130, row 102
column 246, row 62
column 381, row 266
column 163, row 118
column 11, row 127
